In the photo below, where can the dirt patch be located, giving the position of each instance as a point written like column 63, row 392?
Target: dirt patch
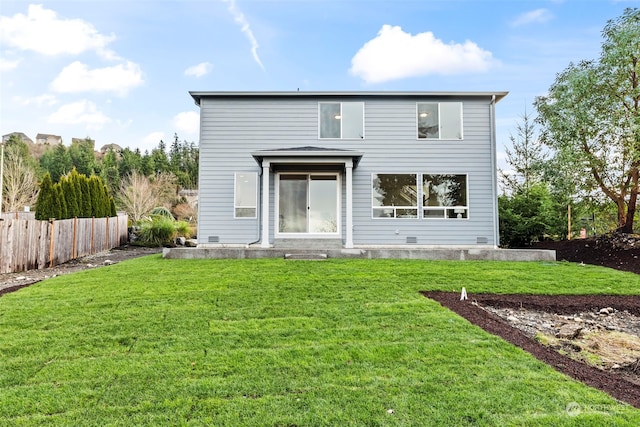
column 619, row 383
column 617, row 250
column 10, row 282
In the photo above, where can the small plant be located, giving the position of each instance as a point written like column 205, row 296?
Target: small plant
column 159, row 231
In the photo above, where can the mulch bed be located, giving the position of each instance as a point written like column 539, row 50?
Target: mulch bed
column 613, row 384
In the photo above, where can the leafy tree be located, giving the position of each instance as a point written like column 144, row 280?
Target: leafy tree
column 110, row 172
column 129, row 161
column 57, row 162
column 83, row 157
column 528, row 218
column 591, row 117
column 526, row 158
column 20, row 183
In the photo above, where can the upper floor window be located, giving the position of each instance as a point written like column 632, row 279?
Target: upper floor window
column 439, row 120
column 341, row 120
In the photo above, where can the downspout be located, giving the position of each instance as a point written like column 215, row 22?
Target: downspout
column 494, row 172
column 258, row 231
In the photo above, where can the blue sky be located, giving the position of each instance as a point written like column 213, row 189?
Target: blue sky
column 119, row 71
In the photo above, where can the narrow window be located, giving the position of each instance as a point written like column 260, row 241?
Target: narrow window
column 246, row 195
column 439, row 120
column 394, row 195
column 341, row 120
column 444, row 196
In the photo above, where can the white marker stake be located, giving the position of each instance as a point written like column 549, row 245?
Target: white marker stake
column 463, row 294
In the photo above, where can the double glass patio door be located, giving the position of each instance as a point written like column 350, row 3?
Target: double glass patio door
column 308, row 203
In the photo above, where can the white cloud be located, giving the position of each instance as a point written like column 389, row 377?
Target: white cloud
column 39, row 101
column 394, row 54
column 539, row 16
column 6, row 64
column 77, row 77
column 199, row 70
column 187, row 122
column 42, row 31
column 240, row 19
column 81, row 112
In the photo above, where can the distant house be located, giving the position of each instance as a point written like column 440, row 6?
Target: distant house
column 352, row 169
column 111, row 147
column 45, row 138
column 20, row 135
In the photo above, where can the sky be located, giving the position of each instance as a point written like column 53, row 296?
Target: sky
column 120, row 71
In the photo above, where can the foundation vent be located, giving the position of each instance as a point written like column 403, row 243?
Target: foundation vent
column 412, row 239
column 214, row 239
column 482, row 240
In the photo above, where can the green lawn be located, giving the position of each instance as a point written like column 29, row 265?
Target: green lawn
column 286, row 343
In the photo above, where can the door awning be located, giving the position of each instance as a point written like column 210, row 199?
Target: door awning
column 307, row 156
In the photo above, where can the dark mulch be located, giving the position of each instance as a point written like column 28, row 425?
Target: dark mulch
column 616, row 250
column 613, row 384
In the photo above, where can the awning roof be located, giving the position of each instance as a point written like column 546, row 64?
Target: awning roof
column 308, row 156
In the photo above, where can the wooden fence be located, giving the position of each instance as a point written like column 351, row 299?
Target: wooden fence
column 27, row 244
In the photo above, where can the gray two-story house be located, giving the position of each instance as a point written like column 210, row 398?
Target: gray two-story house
column 348, row 169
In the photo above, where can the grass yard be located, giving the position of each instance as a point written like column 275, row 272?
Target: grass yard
column 286, row 343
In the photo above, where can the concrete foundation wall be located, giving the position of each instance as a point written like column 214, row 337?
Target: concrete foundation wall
column 375, row 253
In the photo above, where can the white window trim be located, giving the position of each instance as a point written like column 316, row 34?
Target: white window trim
column 279, row 234
column 341, row 121
column 420, row 193
column 235, row 198
column 395, row 208
column 439, row 138
column 444, row 218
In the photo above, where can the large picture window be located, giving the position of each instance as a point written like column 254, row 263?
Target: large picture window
column 246, row 195
column 395, row 195
column 439, row 120
column 444, row 196
column 341, row 120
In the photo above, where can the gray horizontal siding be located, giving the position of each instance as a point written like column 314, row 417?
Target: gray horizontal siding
column 233, row 128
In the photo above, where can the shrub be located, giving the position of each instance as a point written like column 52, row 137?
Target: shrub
column 159, row 231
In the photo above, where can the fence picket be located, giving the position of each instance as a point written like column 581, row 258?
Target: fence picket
column 26, row 243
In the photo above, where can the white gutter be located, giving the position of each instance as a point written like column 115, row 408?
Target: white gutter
column 494, row 172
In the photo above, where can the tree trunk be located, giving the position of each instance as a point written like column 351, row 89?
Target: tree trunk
column 633, row 201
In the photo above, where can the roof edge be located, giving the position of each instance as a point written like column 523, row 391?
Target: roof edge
column 198, row 95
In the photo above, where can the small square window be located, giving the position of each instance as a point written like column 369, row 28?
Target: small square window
column 341, row 120
column 439, row 120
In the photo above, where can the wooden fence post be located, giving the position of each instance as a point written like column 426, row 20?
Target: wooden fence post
column 107, row 237
column 93, row 219
column 74, row 248
column 51, row 239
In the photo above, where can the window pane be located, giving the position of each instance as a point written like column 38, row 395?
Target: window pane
column 433, row 213
column 444, row 190
column 428, row 123
column 292, row 204
column 330, row 119
column 352, row 120
column 394, row 190
column 451, row 120
column 245, row 212
column 457, row 213
column 246, row 194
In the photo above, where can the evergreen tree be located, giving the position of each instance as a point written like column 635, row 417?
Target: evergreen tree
column 60, row 203
column 57, row 162
column 44, row 205
column 69, row 195
column 87, row 200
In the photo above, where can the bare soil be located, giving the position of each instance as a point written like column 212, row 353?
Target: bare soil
column 621, row 383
